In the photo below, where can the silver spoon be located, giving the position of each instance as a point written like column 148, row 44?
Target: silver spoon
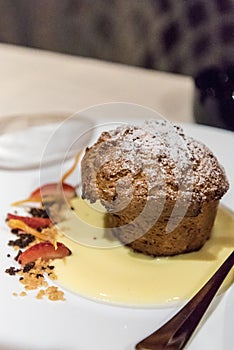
column 177, row 331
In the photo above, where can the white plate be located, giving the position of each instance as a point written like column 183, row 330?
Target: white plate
column 81, row 324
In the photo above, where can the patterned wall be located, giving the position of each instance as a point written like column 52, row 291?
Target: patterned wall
column 172, row 35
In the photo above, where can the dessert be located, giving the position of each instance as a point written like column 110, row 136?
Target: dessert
column 38, row 237
column 161, row 187
column 89, row 270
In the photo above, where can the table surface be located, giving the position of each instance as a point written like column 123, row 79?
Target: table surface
column 41, row 81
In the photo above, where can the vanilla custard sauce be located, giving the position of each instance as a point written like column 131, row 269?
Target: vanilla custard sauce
column 115, row 274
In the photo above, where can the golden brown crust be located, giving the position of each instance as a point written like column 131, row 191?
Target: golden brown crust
column 141, row 150
column 189, row 235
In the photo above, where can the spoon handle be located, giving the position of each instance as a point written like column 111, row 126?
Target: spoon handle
column 177, row 331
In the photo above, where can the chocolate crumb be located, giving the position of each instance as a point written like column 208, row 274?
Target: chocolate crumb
column 12, row 271
column 28, row 266
column 23, row 241
column 15, row 231
column 19, row 253
column 38, row 212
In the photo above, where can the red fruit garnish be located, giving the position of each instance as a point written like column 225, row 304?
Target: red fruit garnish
column 45, row 251
column 54, row 189
column 33, row 222
column 51, row 189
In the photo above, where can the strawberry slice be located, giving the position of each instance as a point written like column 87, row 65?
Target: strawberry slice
column 51, row 189
column 33, row 222
column 45, row 251
column 54, row 189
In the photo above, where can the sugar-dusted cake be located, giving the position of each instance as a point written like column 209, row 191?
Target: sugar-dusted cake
column 160, row 187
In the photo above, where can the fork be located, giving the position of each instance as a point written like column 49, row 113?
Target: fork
column 174, row 334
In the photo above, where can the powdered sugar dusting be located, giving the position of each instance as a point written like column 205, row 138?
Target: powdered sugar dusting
column 170, row 161
column 156, row 146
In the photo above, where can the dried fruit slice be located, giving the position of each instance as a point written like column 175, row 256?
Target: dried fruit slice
column 72, row 169
column 33, row 222
column 45, row 251
column 49, row 190
column 53, row 189
column 18, row 224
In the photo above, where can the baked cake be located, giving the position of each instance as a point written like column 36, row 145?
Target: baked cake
column 160, row 187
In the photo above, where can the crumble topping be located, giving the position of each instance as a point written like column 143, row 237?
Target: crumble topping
column 34, row 275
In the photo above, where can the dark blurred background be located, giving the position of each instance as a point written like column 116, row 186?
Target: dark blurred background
column 181, row 36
